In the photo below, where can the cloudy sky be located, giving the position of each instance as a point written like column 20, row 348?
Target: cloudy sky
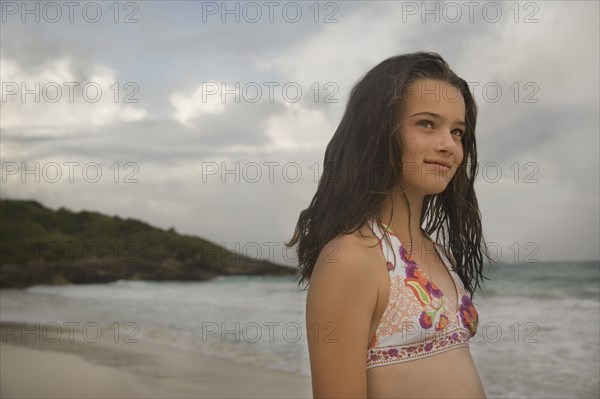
column 213, row 117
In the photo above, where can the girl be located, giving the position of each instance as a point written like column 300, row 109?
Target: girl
column 389, row 310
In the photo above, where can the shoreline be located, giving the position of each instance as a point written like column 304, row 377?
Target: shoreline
column 50, row 365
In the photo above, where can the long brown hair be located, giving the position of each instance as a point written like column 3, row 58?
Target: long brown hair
column 362, row 168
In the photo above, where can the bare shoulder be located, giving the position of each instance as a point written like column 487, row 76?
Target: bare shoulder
column 351, row 250
column 346, row 270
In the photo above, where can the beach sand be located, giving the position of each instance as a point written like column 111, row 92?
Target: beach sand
column 39, row 365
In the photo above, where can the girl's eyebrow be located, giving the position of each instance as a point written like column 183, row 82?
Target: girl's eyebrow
column 438, row 116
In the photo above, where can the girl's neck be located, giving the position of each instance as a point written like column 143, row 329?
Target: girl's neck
column 399, row 220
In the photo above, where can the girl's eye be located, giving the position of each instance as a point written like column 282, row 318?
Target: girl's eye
column 424, row 123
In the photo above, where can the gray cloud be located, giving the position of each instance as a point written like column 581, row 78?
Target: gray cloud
column 171, row 51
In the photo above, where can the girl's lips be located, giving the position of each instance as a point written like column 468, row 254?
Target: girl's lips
column 437, row 166
column 439, row 163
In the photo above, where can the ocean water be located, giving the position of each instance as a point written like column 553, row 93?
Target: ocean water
column 538, row 333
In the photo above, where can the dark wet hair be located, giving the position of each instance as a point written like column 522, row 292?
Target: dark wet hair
column 362, row 168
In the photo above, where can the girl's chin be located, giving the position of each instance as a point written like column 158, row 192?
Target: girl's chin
column 431, row 186
column 435, row 192
column 430, row 189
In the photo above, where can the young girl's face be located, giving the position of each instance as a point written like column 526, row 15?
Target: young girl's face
column 432, row 123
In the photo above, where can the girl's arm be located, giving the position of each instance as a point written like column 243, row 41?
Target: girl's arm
column 341, row 299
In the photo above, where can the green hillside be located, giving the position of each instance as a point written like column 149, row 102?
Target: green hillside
column 42, row 246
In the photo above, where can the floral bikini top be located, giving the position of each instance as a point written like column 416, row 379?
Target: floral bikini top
column 419, row 320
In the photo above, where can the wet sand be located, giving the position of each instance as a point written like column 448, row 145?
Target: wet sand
column 39, row 366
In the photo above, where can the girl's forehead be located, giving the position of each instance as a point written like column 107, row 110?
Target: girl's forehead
column 427, row 89
column 433, row 94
